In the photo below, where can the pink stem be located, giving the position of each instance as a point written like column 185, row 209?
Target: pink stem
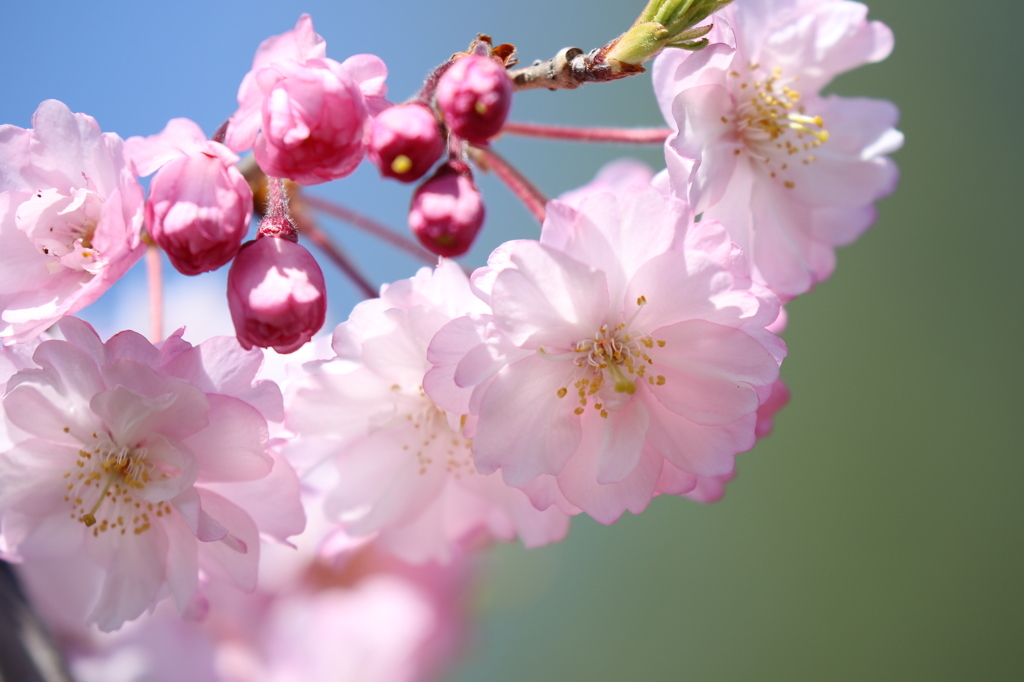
column 525, row 191
column 156, row 294
column 610, row 135
column 370, row 226
column 337, row 256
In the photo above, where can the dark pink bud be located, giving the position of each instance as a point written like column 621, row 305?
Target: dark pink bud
column 276, row 295
column 198, row 212
column 405, row 141
column 474, row 96
column 447, row 211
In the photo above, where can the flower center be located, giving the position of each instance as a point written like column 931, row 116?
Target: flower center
column 103, row 485
column 615, row 356
column 432, row 438
column 62, row 227
column 771, row 122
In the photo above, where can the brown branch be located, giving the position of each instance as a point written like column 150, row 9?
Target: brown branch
column 570, row 68
column 534, row 200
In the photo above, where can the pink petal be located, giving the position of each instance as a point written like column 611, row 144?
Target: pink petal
column 135, row 569
column 606, row 503
column 710, row 371
column 675, row 481
column 180, row 137
column 272, row 501
column 233, row 446
column 549, row 298
column 202, row 525
column 235, row 558
column 131, row 416
column 525, row 428
column 702, row 450
column 624, row 433
column 182, row 564
column 707, row 135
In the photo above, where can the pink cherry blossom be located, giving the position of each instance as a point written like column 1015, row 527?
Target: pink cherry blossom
column 276, row 294
column 313, row 112
column 70, row 218
column 199, row 205
column 626, row 355
column 405, row 471
column 790, row 173
column 142, row 466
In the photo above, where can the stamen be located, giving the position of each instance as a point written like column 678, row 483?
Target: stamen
column 772, row 122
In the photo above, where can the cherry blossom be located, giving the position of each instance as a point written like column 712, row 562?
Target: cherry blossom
column 405, row 471
column 70, row 218
column 142, row 466
column 367, row 618
column 790, row 173
column 626, row 355
column 199, row 204
column 313, row 112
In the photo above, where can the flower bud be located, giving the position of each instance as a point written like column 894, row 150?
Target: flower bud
column 447, row 211
column 405, row 141
column 314, row 125
column 276, row 294
column 198, row 212
column 474, row 96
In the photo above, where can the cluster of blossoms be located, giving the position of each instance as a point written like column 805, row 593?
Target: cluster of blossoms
column 631, row 351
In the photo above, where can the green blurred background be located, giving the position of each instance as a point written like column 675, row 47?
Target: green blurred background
column 876, row 535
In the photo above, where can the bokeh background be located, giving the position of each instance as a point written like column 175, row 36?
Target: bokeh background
column 877, row 534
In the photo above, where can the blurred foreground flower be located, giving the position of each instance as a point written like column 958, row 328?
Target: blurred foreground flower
column 136, row 467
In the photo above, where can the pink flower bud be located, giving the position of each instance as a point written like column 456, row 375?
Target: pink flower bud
column 314, row 124
column 474, row 96
column 198, row 212
column 276, row 295
column 405, row 141
column 447, row 211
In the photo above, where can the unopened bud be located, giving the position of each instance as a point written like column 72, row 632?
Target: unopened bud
column 447, row 211
column 198, row 212
column 405, row 141
column 276, row 295
column 474, row 96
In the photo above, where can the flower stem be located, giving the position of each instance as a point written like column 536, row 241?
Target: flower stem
column 525, row 191
column 368, row 225
column 156, row 293
column 576, row 134
column 277, row 220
